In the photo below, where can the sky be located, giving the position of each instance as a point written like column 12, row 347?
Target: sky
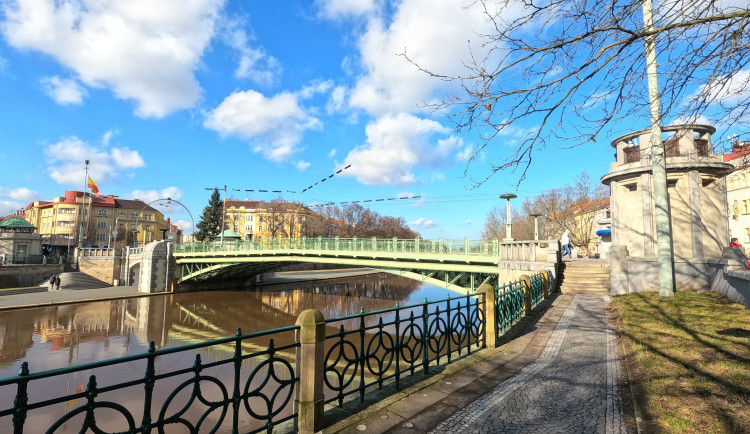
column 171, row 98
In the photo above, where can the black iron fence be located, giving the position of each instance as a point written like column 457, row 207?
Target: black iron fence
column 272, row 380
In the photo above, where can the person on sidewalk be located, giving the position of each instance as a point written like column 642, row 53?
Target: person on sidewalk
column 52, row 282
column 57, row 283
column 565, row 242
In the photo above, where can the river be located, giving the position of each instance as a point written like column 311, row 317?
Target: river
column 65, row 335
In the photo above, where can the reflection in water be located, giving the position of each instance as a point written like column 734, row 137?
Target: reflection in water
column 59, row 336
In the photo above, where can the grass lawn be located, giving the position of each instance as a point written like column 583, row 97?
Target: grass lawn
column 689, row 361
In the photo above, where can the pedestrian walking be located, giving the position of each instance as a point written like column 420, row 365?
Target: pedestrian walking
column 52, row 282
column 57, row 283
column 565, row 242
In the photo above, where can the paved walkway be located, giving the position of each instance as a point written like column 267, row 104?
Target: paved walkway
column 560, row 377
column 41, row 296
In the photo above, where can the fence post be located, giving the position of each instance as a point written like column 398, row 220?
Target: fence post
column 311, row 369
column 490, row 315
column 526, row 281
column 545, row 284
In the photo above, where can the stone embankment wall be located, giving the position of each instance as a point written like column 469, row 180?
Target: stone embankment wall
column 104, row 269
column 17, row 276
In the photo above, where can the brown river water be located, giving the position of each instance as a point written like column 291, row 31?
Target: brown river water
column 66, row 335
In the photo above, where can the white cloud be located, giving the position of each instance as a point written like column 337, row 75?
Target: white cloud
column 19, row 198
column 126, row 158
column 65, row 160
column 434, row 34
column 107, row 137
column 302, row 165
column 404, row 194
column 20, row 194
column 332, row 153
column 185, row 225
column 152, row 195
column 254, row 63
column 424, row 223
column 64, row 91
column 8, row 207
column 142, row 50
column 395, row 144
column 468, row 222
column 337, row 9
column 337, row 101
column 314, row 88
column 694, row 119
column 729, row 90
column 274, row 125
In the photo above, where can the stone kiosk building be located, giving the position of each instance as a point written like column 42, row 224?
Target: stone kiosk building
column 18, row 242
column 697, row 205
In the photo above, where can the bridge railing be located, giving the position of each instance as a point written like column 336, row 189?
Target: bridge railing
column 534, row 251
column 256, row 382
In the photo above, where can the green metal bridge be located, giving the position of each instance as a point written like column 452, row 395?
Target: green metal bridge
column 458, row 265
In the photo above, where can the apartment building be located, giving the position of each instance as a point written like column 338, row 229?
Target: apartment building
column 253, row 219
column 738, row 192
column 107, row 221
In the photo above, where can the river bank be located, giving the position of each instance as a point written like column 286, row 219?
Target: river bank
column 36, row 296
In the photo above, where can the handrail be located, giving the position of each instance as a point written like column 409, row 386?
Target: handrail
column 379, row 347
column 500, row 250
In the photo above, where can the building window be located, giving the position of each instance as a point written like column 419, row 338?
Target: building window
column 147, row 228
column 67, row 210
column 64, row 223
column 133, row 216
column 248, row 217
column 102, row 213
column 148, row 237
column 148, row 217
column 671, row 183
column 121, row 215
column 631, row 187
column 260, row 228
column 236, row 227
column 248, row 228
column 101, row 224
column 101, row 237
column 747, row 235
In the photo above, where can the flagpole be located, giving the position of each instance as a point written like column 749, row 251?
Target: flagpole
column 83, row 205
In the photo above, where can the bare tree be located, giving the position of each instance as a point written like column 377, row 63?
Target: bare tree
column 571, row 207
column 564, row 72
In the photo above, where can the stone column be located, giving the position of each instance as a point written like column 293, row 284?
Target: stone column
column 310, row 370
column 619, row 283
column 696, row 229
column 649, row 230
column 490, row 315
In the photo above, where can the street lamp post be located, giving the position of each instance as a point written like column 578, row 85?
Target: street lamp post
column 169, row 200
column 508, row 197
column 536, row 226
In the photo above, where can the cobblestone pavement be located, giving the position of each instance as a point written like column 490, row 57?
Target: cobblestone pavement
column 571, row 388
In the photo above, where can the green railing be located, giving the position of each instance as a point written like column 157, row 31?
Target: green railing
column 393, row 245
column 251, row 382
column 509, row 305
column 537, row 288
column 533, row 251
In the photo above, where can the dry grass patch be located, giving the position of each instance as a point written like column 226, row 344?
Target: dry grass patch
column 689, row 358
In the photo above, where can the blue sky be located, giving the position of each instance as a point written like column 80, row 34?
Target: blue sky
column 167, row 98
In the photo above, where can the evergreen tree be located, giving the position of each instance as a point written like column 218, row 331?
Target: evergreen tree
column 208, row 226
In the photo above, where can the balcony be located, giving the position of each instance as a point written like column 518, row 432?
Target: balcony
column 689, row 141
